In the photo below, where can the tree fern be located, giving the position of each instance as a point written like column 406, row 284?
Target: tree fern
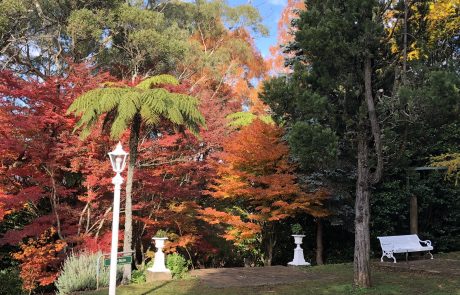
column 150, row 103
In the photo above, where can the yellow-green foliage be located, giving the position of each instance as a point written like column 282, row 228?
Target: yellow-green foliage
column 241, row 119
column 443, row 20
column 156, row 81
column 451, row 161
column 152, row 104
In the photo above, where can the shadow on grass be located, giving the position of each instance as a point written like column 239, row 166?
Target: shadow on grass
column 156, row 288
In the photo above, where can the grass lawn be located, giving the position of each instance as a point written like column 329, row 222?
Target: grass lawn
column 337, row 280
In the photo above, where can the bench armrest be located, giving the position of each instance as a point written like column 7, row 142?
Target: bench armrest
column 427, row 242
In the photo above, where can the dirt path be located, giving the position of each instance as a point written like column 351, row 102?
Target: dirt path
column 252, row 276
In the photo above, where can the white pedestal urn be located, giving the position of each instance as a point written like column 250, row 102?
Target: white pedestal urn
column 159, row 267
column 298, row 252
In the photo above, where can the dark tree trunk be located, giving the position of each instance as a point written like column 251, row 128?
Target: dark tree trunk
column 128, row 232
column 362, row 271
column 319, row 242
column 268, row 243
column 362, row 274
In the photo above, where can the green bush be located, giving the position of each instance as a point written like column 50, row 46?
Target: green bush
column 79, row 273
column 139, row 276
column 177, row 264
column 11, row 282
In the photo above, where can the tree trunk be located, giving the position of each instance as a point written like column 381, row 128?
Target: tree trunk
column 128, row 232
column 362, row 272
column 269, row 243
column 319, row 242
column 375, row 127
column 413, row 215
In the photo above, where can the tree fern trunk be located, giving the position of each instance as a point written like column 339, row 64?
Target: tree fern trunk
column 128, row 236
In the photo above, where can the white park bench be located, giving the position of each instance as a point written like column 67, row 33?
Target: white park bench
column 403, row 244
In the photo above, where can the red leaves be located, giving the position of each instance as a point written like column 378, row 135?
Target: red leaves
column 40, row 224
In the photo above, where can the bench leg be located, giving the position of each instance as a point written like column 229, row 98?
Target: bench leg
column 430, row 254
column 389, row 255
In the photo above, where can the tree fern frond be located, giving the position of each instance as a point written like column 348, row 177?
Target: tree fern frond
column 157, row 80
column 85, row 127
column 124, row 103
column 109, row 98
column 87, row 119
column 157, row 99
column 174, row 115
column 85, row 132
column 119, row 125
column 101, row 100
column 188, row 105
column 193, row 128
column 80, row 105
column 148, row 117
column 127, row 107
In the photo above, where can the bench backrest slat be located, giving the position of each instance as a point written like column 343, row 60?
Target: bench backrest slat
column 389, row 242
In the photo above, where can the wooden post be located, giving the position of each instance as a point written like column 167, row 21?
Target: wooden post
column 413, row 212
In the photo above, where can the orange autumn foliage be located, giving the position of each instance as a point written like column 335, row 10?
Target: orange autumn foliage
column 275, row 62
column 255, row 173
column 40, row 260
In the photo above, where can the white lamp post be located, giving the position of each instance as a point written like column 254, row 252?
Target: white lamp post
column 118, row 161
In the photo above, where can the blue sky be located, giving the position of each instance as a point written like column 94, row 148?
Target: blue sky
column 270, row 11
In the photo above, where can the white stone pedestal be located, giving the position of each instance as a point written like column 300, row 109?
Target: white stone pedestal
column 298, row 252
column 159, row 270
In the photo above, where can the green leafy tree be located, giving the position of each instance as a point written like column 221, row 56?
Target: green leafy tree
column 35, row 37
column 131, row 40
column 131, row 108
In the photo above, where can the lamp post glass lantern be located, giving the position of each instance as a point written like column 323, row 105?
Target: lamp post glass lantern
column 118, row 158
column 118, row 161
